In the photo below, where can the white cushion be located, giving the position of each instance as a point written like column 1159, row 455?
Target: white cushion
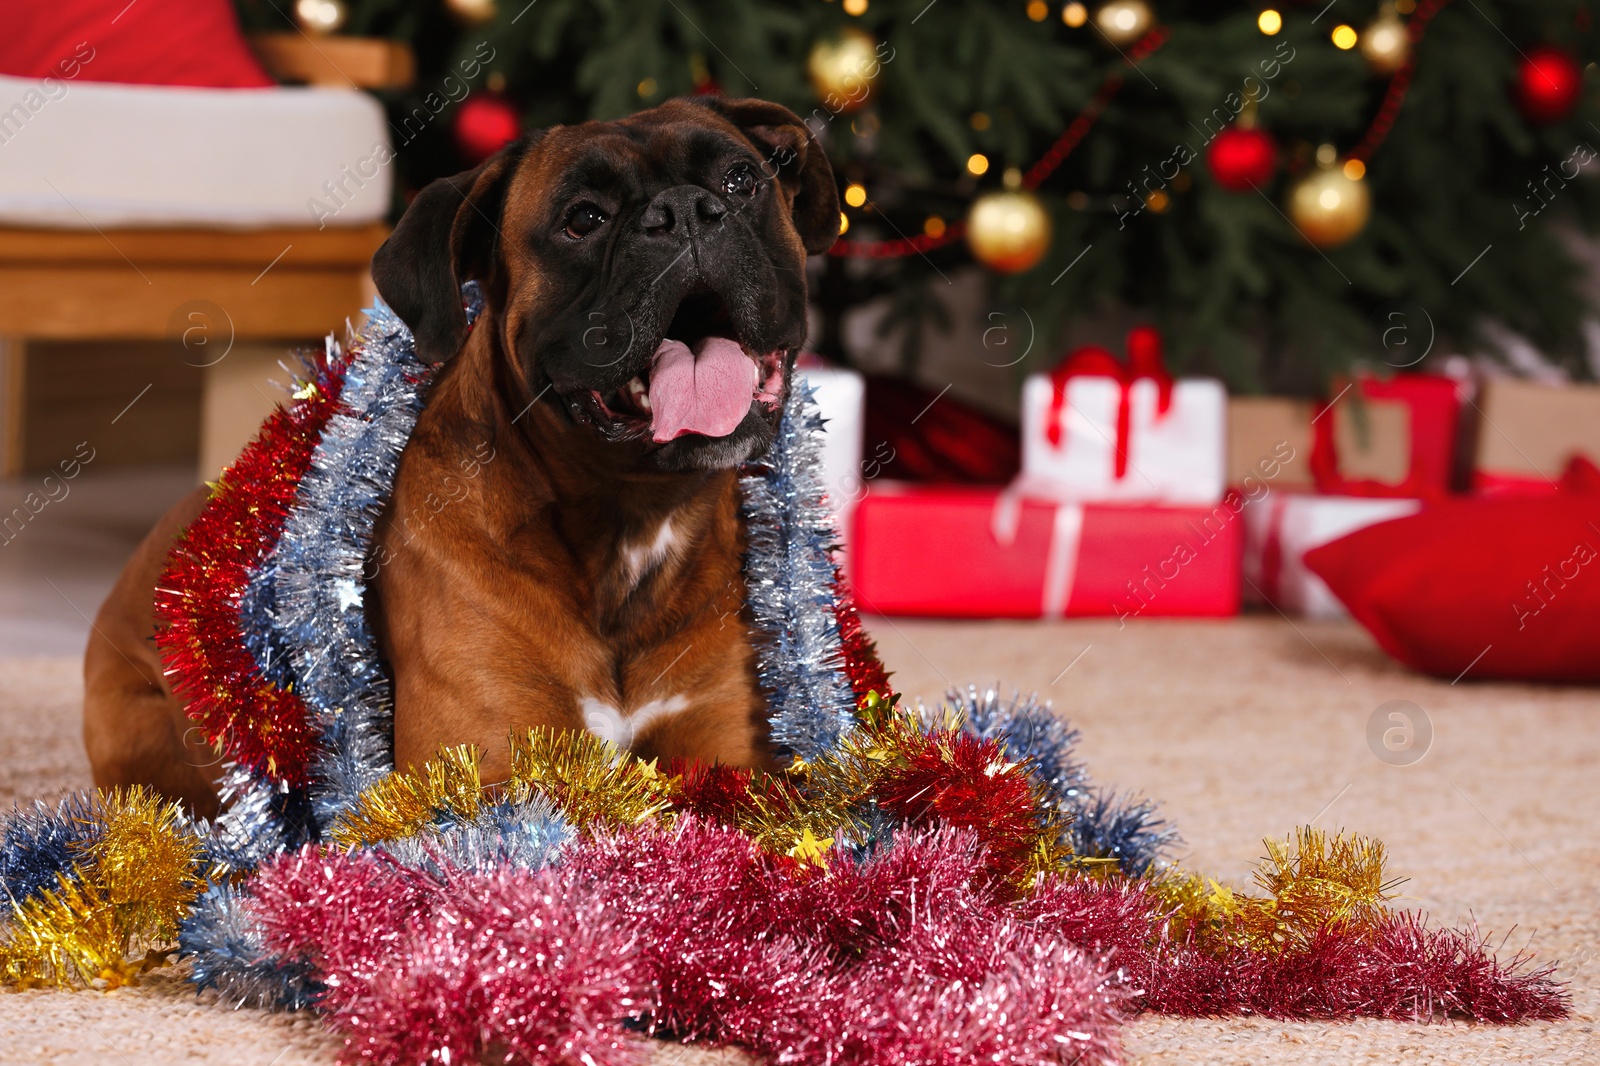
column 97, row 154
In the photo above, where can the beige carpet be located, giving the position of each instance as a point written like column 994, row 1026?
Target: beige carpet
column 1244, row 729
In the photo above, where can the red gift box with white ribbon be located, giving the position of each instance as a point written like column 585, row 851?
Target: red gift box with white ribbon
column 973, row 552
column 1281, row 527
column 1098, row 429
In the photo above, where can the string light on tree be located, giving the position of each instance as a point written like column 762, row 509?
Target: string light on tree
column 1331, row 205
column 1549, row 82
column 320, row 16
column 1124, row 21
column 472, row 12
column 1385, row 42
column 844, row 68
column 1344, row 37
column 1074, row 14
column 1269, row 22
column 855, row 194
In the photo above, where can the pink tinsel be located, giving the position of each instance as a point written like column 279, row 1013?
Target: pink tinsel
column 507, row 964
column 702, row 937
column 914, row 955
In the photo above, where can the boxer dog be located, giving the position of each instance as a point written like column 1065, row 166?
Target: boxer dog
column 562, row 547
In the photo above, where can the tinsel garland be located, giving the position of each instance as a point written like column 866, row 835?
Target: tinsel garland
column 317, row 571
column 919, row 885
column 255, row 723
column 790, row 578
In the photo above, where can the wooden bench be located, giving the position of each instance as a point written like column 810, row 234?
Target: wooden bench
column 226, row 304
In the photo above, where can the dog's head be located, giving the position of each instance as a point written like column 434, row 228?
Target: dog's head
column 650, row 272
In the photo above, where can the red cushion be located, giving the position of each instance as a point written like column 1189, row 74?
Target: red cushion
column 147, row 42
column 1488, row 588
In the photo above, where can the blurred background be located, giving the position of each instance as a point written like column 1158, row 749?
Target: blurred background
column 1350, row 240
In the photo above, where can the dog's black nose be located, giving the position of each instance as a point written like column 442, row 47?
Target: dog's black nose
column 681, row 210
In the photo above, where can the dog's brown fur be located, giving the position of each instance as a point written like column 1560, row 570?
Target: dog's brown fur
column 504, row 607
column 526, row 572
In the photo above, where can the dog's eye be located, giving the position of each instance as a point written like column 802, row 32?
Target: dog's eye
column 740, row 181
column 584, row 220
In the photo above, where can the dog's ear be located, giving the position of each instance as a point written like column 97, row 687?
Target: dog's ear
column 450, row 233
column 793, row 154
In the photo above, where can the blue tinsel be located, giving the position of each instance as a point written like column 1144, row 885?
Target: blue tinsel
column 789, row 576
column 38, row 844
column 529, row 832
column 224, row 942
column 1104, row 825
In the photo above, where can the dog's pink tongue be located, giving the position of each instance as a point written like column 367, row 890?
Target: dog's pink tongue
column 706, row 392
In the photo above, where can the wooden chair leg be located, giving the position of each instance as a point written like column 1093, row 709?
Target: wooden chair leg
column 13, row 382
column 240, row 390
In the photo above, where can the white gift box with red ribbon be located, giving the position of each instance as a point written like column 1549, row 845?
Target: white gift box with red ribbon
column 1098, row 430
column 1282, row 527
column 841, row 400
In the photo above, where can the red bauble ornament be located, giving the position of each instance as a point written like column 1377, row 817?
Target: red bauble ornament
column 485, row 124
column 1240, row 159
column 1548, row 83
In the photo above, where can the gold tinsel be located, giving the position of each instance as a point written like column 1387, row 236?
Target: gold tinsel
column 122, row 898
column 589, row 779
column 403, row 803
column 1311, row 881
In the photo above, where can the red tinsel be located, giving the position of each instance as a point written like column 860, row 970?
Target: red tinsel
column 1398, row 969
column 861, row 662
column 958, row 779
column 250, row 720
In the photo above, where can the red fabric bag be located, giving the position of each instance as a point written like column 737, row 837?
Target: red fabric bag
column 936, row 550
column 1481, row 588
column 147, row 42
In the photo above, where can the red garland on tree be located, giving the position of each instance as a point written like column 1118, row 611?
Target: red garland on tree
column 1548, row 83
column 1240, row 159
column 485, row 124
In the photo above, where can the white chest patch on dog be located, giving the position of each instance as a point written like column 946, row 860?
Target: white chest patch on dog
column 608, row 723
column 642, row 558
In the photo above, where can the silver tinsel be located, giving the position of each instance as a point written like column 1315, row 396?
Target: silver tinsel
column 789, row 578
column 1103, row 825
column 318, row 568
column 528, row 832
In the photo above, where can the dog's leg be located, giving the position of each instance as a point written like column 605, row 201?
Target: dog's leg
column 134, row 729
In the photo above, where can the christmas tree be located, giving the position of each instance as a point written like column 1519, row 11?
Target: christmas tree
column 1278, row 189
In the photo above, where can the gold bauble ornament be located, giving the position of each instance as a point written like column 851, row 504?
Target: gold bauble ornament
column 471, row 12
column 320, row 16
column 1386, row 43
column 1329, row 206
column 843, row 69
column 1008, row 231
column 1124, row 21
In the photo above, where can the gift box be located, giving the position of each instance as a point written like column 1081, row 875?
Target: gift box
column 975, row 552
column 1387, row 438
column 1100, row 430
column 1528, row 434
column 1280, row 528
column 841, row 398
column 1269, row 441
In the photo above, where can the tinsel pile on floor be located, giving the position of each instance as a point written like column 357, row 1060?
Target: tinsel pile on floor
column 920, row 885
